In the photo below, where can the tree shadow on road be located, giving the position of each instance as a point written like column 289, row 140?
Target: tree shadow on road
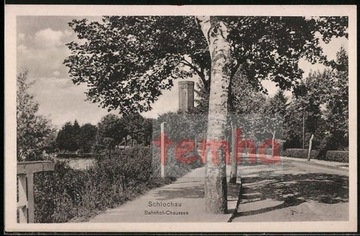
column 293, row 190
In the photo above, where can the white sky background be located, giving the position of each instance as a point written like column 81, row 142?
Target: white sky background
column 41, row 49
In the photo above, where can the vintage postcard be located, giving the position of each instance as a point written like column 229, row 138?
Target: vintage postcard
column 227, row 118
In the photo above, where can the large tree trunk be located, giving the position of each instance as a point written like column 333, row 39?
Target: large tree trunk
column 216, row 33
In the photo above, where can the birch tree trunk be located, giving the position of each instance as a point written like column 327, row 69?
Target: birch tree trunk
column 216, row 33
column 310, row 146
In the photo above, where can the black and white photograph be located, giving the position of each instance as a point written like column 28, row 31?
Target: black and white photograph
column 235, row 118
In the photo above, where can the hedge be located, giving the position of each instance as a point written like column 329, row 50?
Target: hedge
column 75, row 155
column 68, row 194
column 300, row 153
column 340, row 156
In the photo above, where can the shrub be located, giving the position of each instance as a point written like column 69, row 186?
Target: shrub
column 340, row 156
column 54, row 193
column 300, row 153
column 66, row 193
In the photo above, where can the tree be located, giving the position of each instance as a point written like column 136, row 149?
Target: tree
column 142, row 56
column 146, row 137
column 273, row 118
column 311, row 115
column 68, row 137
column 34, row 132
column 336, row 100
column 86, row 138
column 127, row 61
column 202, row 98
column 310, row 103
column 181, row 126
column 138, row 128
column 110, row 132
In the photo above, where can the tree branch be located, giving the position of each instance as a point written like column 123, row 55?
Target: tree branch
column 187, row 63
column 199, row 72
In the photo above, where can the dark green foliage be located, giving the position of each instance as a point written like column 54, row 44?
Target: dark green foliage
column 66, row 193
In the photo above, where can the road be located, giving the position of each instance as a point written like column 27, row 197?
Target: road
column 294, row 190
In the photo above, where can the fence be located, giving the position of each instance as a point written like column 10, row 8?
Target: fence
column 25, row 175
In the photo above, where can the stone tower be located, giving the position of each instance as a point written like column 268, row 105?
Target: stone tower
column 186, row 95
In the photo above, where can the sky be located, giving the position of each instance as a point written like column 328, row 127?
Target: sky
column 41, row 50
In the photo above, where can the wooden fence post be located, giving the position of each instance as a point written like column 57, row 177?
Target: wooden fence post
column 25, row 173
column 162, row 147
column 22, row 203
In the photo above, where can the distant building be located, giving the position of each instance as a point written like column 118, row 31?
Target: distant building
column 186, row 95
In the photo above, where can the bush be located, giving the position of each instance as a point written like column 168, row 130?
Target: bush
column 300, row 153
column 66, row 193
column 340, row 156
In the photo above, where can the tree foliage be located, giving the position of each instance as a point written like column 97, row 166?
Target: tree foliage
column 127, row 61
column 336, row 113
column 68, row 137
column 138, row 127
column 115, row 130
column 34, row 132
column 86, row 137
column 181, row 126
column 110, row 132
column 323, row 106
column 270, row 123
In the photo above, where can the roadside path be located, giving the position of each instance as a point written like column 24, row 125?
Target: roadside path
column 184, row 197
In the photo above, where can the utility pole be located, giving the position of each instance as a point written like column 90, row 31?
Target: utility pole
column 303, row 130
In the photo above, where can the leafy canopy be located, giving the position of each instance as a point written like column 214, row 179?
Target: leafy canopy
column 127, row 61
